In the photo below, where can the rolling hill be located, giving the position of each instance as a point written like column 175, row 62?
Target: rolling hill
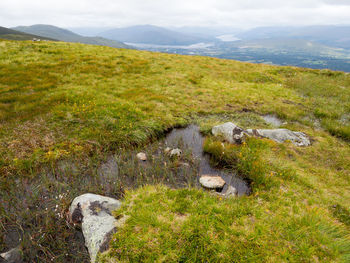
column 10, row 34
column 331, row 35
column 73, row 118
column 286, row 51
column 291, row 45
column 148, row 34
column 88, row 31
column 68, row 36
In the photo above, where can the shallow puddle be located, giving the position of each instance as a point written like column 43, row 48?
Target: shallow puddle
column 36, row 207
column 175, row 172
column 190, row 139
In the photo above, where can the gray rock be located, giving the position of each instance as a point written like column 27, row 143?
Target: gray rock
column 230, row 131
column 185, row 164
column 175, row 152
column 94, row 212
column 13, row 256
column 212, row 182
column 345, row 119
column 142, row 156
column 282, row 135
column 167, row 150
column 231, row 191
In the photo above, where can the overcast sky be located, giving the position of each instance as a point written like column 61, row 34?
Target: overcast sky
column 118, row 13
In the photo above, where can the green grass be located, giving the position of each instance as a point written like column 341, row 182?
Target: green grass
column 64, row 108
column 247, row 160
column 189, row 225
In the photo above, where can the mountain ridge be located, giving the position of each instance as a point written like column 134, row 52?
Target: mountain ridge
column 68, row 36
column 149, row 34
column 10, row 34
column 331, row 35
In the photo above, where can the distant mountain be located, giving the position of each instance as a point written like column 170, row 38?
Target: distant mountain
column 335, row 36
column 278, row 51
column 89, row 31
column 203, row 31
column 68, row 36
column 10, row 34
column 148, row 34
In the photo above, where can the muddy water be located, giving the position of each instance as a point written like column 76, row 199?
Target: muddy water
column 35, row 208
column 190, row 139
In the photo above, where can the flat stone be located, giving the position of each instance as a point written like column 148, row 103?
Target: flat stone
column 142, row 156
column 175, row 152
column 230, row 131
column 14, row 255
column 212, row 182
column 94, row 213
column 282, row 135
column 185, row 164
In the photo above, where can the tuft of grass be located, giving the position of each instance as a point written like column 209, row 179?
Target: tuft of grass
column 342, row 214
column 326, row 94
column 247, row 159
column 190, row 225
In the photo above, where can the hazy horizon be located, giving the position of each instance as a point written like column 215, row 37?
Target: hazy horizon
column 241, row 14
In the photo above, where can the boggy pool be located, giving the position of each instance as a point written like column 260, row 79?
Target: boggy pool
column 190, row 139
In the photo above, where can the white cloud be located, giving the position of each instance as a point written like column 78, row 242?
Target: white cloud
column 238, row 13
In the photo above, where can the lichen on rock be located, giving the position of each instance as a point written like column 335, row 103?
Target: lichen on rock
column 94, row 212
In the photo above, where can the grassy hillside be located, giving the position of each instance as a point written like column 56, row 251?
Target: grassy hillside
column 65, row 107
column 68, row 36
column 9, row 34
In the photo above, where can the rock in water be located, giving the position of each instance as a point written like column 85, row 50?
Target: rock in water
column 13, row 256
column 212, row 182
column 94, row 212
column 167, row 150
column 142, row 156
column 231, row 191
column 175, row 152
column 282, row 135
column 230, row 131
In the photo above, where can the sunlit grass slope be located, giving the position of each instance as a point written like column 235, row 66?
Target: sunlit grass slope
column 63, row 100
column 61, row 97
